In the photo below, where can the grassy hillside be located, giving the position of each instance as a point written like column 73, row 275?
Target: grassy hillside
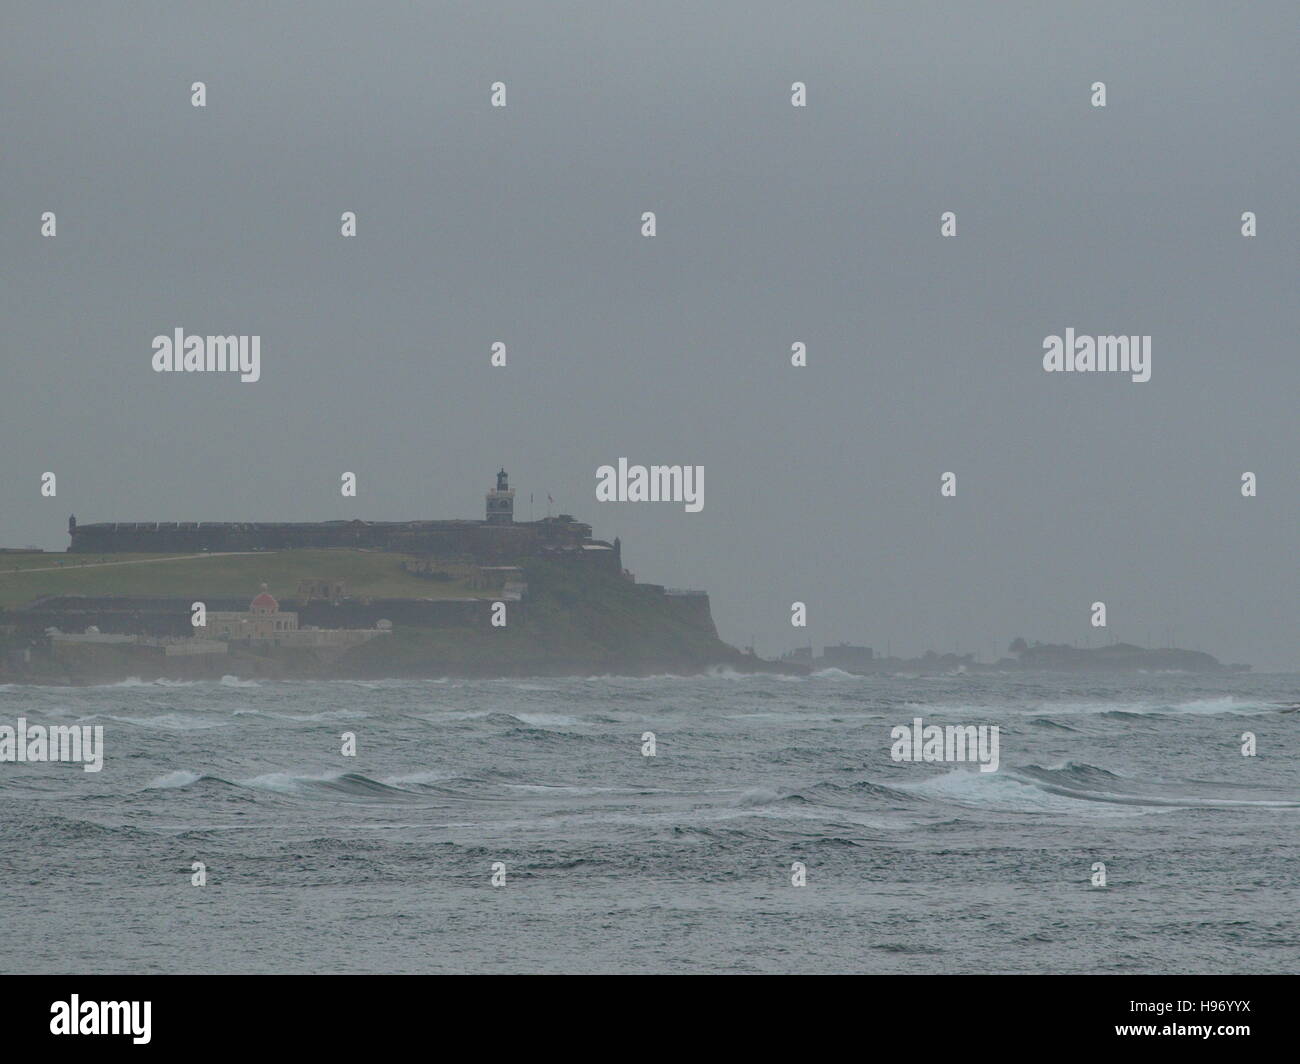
column 377, row 574
column 578, row 619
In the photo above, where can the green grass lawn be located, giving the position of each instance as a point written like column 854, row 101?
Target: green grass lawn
column 377, row 574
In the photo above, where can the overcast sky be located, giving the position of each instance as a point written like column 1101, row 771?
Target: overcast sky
column 775, row 225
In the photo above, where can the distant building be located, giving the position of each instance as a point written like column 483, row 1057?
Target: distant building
column 265, row 624
column 262, row 620
column 63, row 644
column 845, row 655
column 508, row 580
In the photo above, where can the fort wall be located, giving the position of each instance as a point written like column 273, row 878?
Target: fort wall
column 478, row 540
column 496, row 539
column 171, row 616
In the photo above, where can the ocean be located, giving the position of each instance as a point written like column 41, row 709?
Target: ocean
column 609, row 860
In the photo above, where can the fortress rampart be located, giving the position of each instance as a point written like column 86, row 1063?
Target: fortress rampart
column 472, row 539
column 142, row 615
column 496, row 539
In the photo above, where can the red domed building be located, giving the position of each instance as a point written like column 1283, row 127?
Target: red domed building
column 264, row 603
column 264, row 620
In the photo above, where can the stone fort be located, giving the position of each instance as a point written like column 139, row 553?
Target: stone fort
column 497, row 537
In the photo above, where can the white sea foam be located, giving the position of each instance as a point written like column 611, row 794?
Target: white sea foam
column 1200, row 706
column 180, row 778
column 1001, row 792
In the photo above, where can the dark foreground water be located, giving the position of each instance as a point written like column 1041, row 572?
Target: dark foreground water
column 675, row 863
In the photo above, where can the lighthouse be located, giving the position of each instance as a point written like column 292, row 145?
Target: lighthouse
column 501, row 502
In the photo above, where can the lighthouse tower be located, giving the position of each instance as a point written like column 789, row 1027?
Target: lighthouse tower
column 501, row 502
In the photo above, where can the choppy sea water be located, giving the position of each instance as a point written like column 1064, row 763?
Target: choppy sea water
column 681, row 862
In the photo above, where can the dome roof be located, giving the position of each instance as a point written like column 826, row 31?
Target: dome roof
column 264, row 601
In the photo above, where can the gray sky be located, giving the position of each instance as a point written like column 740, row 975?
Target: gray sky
column 775, row 225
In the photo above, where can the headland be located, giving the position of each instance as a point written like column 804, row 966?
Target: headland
column 347, row 599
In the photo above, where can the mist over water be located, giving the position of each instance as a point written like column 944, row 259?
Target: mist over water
column 678, row 862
